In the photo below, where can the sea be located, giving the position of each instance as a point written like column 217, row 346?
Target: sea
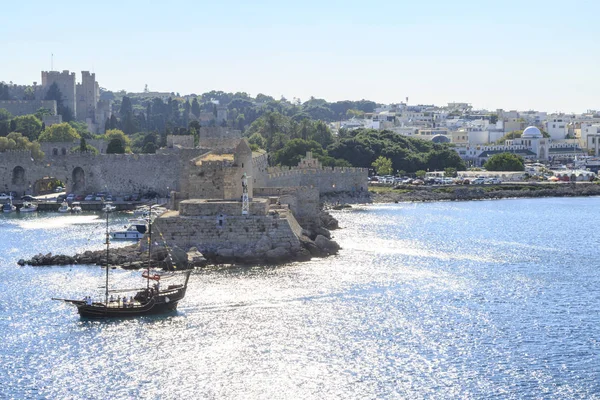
column 451, row 300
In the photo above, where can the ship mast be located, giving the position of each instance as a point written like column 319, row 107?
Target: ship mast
column 107, row 243
column 149, row 249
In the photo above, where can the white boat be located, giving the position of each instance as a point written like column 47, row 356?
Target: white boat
column 28, row 207
column 108, row 208
column 76, row 207
column 9, row 207
column 64, row 207
column 134, row 231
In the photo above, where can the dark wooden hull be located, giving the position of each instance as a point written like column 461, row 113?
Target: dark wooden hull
column 163, row 303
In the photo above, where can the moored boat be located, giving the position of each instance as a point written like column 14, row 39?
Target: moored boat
column 28, row 207
column 64, row 207
column 8, row 207
column 134, row 231
column 76, row 207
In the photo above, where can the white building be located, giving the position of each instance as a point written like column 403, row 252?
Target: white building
column 557, row 127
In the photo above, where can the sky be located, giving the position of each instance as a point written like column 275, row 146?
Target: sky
column 509, row 54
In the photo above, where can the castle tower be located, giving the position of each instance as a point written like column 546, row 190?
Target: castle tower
column 66, row 83
column 87, row 97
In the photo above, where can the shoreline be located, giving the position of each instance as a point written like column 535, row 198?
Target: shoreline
column 407, row 193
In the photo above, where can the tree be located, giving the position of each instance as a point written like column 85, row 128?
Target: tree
column 4, row 93
column 16, row 141
column 149, row 148
column 115, row 134
column 294, row 150
column 195, row 107
column 82, row 145
column 41, row 112
column 29, row 126
column 115, row 146
column 82, row 129
column 5, row 118
column 450, row 172
column 54, row 93
column 29, row 94
column 420, row 174
column 504, row 162
column 126, row 106
column 383, row 166
column 59, row 133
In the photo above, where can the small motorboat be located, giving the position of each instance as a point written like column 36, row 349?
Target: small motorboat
column 134, row 231
column 28, row 207
column 8, row 207
column 76, row 207
column 64, row 207
column 108, row 207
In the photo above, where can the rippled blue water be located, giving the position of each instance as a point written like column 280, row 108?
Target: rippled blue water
column 441, row 300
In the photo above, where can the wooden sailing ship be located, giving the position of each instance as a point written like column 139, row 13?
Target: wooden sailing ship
column 151, row 300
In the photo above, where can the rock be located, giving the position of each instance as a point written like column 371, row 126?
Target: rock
column 178, row 257
column 329, row 246
column 323, row 232
column 159, row 253
column 311, row 247
column 277, row 255
column 303, row 255
column 21, row 262
column 263, row 245
column 225, row 253
column 195, row 258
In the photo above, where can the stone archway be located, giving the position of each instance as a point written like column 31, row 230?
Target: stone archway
column 18, row 176
column 78, row 180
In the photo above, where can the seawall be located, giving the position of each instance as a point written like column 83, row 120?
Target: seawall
column 483, row 192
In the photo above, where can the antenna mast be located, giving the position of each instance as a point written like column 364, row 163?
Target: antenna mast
column 51, row 61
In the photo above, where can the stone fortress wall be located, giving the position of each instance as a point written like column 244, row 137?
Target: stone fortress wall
column 85, row 173
column 311, row 173
column 23, row 107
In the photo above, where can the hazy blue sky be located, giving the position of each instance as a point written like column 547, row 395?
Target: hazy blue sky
column 501, row 54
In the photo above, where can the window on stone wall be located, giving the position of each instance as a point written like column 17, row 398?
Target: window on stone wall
column 54, row 152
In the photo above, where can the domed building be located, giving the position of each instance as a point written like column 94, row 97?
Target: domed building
column 533, row 140
column 532, row 132
column 440, row 139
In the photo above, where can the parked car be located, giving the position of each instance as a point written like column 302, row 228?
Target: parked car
column 494, row 181
column 61, row 198
column 79, row 197
column 71, row 197
column 89, row 197
column 418, row 182
column 28, row 198
column 4, row 196
column 108, row 198
column 58, row 189
column 478, row 181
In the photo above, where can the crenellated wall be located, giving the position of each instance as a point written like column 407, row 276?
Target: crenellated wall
column 24, row 107
column 85, row 173
column 325, row 179
column 311, row 173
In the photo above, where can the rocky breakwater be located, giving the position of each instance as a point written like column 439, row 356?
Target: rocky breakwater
column 128, row 257
column 485, row 192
